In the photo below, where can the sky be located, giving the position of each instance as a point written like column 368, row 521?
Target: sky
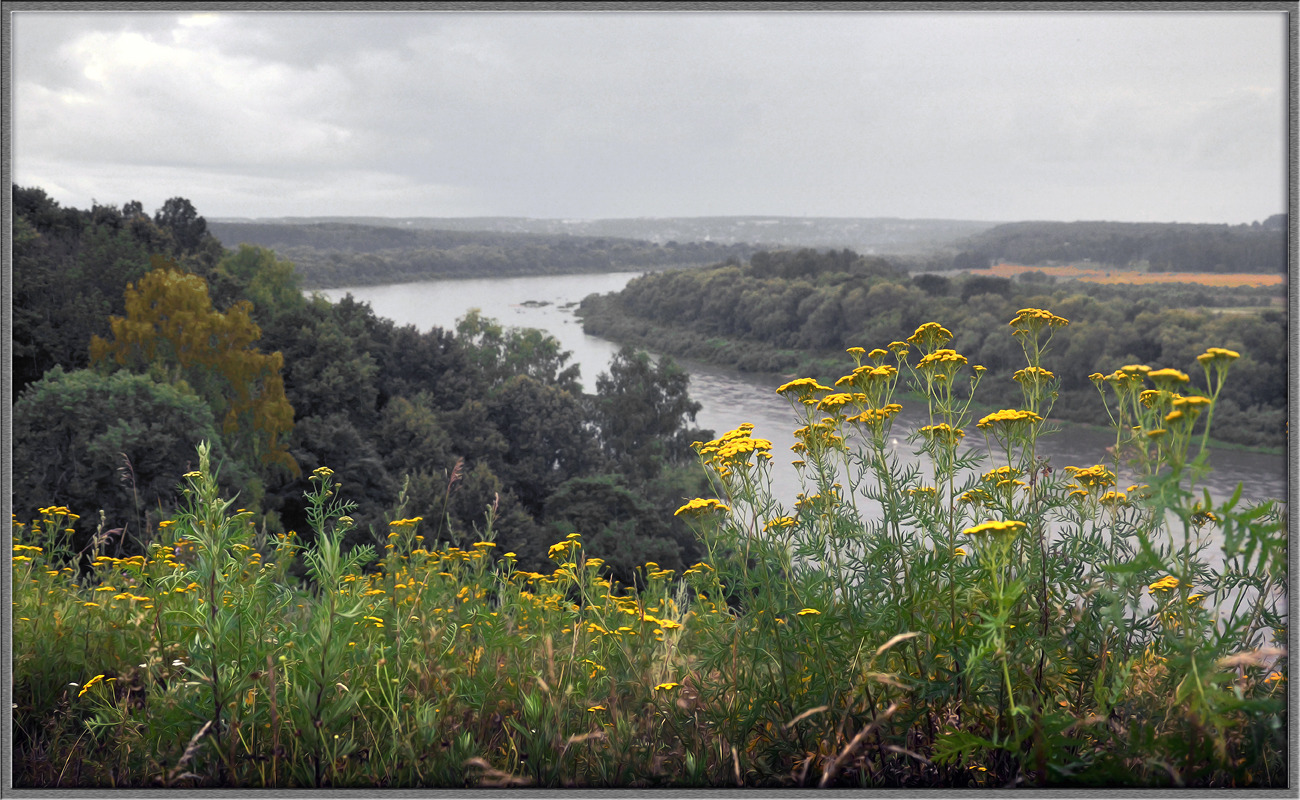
column 994, row 116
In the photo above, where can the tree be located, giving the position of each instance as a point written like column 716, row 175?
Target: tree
column 642, row 410
column 270, row 283
column 70, row 268
column 984, row 284
column 505, row 352
column 935, row 285
column 187, row 228
column 171, row 327
column 967, row 259
column 546, row 435
column 616, row 524
column 331, row 440
column 114, row 442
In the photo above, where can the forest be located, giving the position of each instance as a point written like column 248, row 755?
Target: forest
column 137, row 337
column 1158, row 247
column 797, row 310
column 332, row 254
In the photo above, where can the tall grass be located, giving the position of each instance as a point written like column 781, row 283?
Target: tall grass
column 975, row 620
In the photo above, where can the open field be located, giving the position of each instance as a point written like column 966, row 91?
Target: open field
column 1098, row 274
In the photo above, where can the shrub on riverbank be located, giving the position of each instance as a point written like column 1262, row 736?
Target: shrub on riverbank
column 960, row 623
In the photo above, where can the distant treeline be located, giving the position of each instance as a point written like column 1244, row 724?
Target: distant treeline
column 796, row 311
column 864, row 234
column 339, row 254
column 1158, row 247
column 347, row 253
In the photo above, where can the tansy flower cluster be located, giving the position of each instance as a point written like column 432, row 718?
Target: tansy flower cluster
column 1007, row 418
column 1000, row 481
column 1030, row 376
column 1218, row 355
column 876, row 417
column 733, row 449
column 941, row 358
column 802, row 389
column 819, row 436
column 820, row 502
column 995, row 527
column 929, row 336
column 1094, row 478
column 833, row 402
column 1167, row 378
column 700, row 507
column 1163, row 585
column 1032, row 319
column 58, row 511
column 876, row 382
column 943, row 433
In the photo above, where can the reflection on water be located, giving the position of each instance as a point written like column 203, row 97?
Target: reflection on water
column 730, row 397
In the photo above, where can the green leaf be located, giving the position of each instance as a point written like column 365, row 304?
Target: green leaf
column 953, row 745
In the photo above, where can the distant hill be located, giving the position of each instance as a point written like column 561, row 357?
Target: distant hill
column 329, row 254
column 876, row 235
column 1153, row 246
column 335, row 251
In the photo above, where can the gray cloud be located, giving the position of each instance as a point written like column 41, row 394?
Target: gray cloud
column 968, row 115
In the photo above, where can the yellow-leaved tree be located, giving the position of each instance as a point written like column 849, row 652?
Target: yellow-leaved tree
column 172, row 329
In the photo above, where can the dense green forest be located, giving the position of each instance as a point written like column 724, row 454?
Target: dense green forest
column 135, row 337
column 340, row 254
column 796, row 311
column 1159, row 247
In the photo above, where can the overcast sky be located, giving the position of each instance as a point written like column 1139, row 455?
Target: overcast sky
column 983, row 116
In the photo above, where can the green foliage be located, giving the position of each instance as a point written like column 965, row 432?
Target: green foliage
column 984, row 284
column 238, row 602
column 179, row 218
column 269, row 283
column 503, row 353
column 333, row 439
column 321, row 709
column 738, row 315
column 643, row 410
column 619, row 526
column 72, row 266
column 110, row 443
column 547, row 438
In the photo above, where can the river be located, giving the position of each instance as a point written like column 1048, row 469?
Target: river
column 729, row 397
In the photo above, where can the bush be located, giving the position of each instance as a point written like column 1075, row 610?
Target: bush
column 115, row 444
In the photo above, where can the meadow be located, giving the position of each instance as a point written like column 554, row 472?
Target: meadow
column 997, row 624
